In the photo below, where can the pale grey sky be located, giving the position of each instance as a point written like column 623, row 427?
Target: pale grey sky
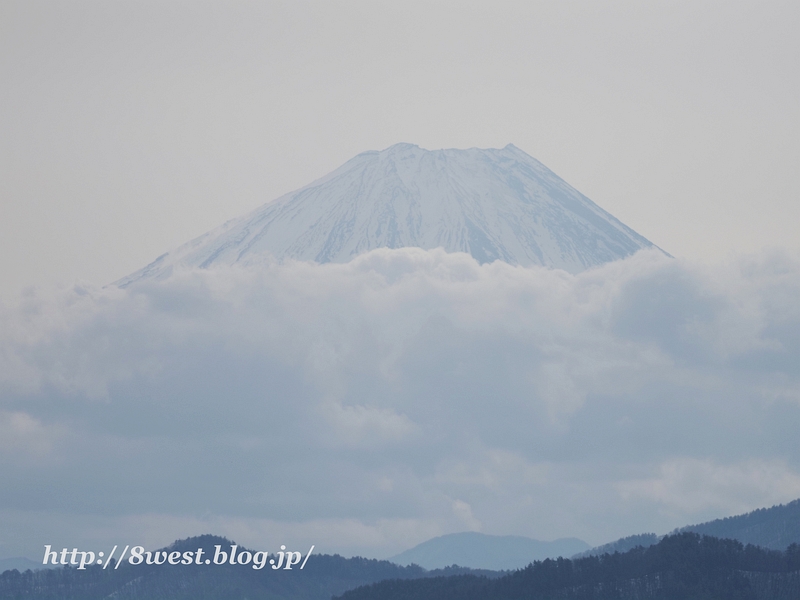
column 127, row 128
column 368, row 406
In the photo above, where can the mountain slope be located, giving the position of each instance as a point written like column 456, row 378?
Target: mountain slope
column 775, row 528
column 493, row 204
column 481, row 551
column 645, row 540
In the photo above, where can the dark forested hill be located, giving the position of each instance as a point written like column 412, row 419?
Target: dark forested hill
column 682, row 566
column 322, row 577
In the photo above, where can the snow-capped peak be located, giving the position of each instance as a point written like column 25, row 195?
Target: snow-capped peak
column 494, row 204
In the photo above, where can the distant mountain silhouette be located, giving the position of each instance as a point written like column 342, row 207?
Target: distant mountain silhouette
column 775, row 528
column 481, row 551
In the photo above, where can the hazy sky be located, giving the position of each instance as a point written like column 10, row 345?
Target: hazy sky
column 127, row 128
column 368, row 406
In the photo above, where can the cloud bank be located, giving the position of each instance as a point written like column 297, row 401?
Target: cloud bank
column 368, row 406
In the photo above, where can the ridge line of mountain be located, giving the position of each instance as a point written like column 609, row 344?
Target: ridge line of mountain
column 495, row 204
column 774, row 528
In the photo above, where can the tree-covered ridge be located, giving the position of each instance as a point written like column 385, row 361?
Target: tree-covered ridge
column 682, row 566
column 623, row 545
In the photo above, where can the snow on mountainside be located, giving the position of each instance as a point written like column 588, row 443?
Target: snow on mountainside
column 493, row 204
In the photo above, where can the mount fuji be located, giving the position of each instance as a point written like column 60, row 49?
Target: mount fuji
column 493, row 204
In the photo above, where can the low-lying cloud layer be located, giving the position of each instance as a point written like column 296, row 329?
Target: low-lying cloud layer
column 365, row 407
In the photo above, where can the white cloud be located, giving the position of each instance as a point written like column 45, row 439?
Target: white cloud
column 24, row 438
column 364, row 426
column 463, row 512
column 494, row 469
column 386, row 389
